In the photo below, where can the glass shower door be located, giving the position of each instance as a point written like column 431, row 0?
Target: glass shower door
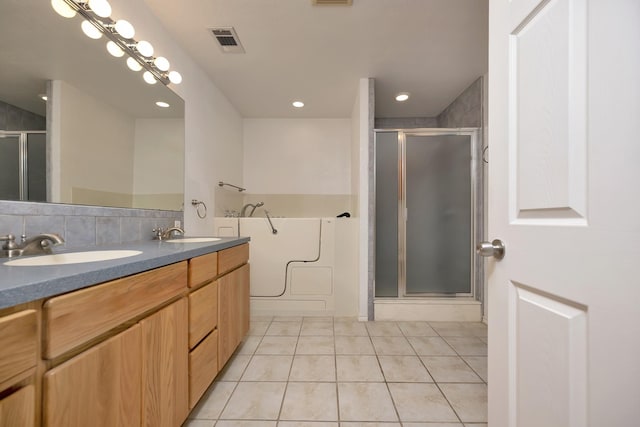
column 438, row 223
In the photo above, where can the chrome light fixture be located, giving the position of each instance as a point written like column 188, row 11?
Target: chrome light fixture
column 120, row 34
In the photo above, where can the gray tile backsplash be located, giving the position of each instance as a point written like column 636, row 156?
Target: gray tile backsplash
column 83, row 226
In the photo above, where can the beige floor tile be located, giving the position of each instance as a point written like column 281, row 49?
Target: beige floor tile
column 451, row 329
column 268, row 368
column 450, row 369
column 386, row 346
column 354, row 345
column 365, row 402
column 351, row 328
column 277, row 345
column 417, row 329
column 284, row 328
column 255, row 401
column 307, row 424
column 213, row 401
column 234, row 368
column 287, row 318
column 317, row 329
column 468, row 346
column 468, row 400
column 241, row 423
column 478, row 364
column 261, row 318
column 358, row 368
column 249, row 345
column 315, row 345
column 431, row 346
column 476, row 425
column 313, row 368
column 432, row 425
column 313, row 319
column 310, row 401
column 404, row 369
column 421, row 402
column 258, row 328
column 370, row 424
column 199, row 423
column 383, row 329
column 478, row 329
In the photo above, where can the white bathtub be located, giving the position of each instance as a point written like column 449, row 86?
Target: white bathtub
column 300, row 270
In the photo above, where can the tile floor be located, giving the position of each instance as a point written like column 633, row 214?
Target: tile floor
column 336, row 372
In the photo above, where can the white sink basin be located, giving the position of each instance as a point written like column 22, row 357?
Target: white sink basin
column 194, row 240
column 71, row 258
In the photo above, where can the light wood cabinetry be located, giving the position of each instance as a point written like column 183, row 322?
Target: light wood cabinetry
column 99, row 387
column 203, row 312
column 18, row 408
column 203, row 367
column 233, row 312
column 18, row 344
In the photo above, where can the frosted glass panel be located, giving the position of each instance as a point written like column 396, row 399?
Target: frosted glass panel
column 9, row 168
column 386, row 214
column 36, row 167
column 438, row 228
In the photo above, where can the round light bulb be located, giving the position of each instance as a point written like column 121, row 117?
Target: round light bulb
column 63, row 9
column 162, row 63
column 402, row 97
column 90, row 30
column 133, row 64
column 162, row 104
column 125, row 29
column 148, row 77
column 145, row 48
column 114, row 49
column 298, row 104
column 102, row 8
column 175, row 77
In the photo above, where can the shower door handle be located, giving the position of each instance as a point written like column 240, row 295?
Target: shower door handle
column 494, row 249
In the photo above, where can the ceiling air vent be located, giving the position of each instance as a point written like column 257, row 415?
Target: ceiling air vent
column 227, row 39
column 332, row 2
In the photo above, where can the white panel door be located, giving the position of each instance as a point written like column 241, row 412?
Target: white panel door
column 564, row 196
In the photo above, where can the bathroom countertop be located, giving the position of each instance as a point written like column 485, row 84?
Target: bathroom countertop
column 24, row 284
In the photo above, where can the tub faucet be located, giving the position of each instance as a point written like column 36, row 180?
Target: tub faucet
column 36, row 245
column 162, row 234
column 244, row 209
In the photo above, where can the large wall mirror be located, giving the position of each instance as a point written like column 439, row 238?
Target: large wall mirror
column 99, row 139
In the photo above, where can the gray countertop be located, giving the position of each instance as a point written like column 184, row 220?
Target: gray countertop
column 24, row 284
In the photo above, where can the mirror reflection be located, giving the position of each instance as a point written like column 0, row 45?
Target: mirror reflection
column 99, row 138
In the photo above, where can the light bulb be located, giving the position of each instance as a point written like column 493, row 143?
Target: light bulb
column 102, row 8
column 298, row 104
column 125, row 29
column 114, row 49
column 162, row 63
column 133, row 64
column 162, row 104
column 145, row 48
column 90, row 30
column 403, row 96
column 148, row 77
column 63, row 9
column 175, row 77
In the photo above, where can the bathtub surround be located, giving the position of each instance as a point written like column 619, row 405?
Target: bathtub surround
column 83, row 226
column 289, row 205
column 15, row 118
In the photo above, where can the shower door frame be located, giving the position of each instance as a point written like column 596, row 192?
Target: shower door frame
column 477, row 206
column 23, row 166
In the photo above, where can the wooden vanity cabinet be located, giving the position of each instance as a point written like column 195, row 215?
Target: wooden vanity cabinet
column 233, row 317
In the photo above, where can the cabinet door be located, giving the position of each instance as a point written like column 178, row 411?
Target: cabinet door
column 233, row 311
column 98, row 388
column 18, row 409
column 165, row 352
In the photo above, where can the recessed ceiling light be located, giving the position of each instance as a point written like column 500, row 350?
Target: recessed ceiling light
column 162, row 104
column 402, row 96
column 298, row 104
column 42, row 96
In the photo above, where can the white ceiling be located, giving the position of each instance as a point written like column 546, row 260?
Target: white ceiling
column 431, row 48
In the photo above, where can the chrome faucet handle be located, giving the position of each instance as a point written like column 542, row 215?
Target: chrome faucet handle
column 158, row 232
column 9, row 242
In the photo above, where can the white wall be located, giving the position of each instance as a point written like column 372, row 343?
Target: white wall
column 213, row 127
column 297, row 156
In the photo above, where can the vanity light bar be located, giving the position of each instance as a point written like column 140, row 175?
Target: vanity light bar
column 107, row 26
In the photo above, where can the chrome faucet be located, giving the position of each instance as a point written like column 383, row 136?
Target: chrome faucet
column 162, row 234
column 244, row 209
column 36, row 245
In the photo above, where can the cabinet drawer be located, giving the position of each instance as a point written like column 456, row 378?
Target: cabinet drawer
column 18, row 409
column 75, row 318
column 231, row 258
column 203, row 367
column 203, row 268
column 203, row 312
column 18, row 343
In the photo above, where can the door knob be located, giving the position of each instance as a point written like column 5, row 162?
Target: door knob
column 494, row 249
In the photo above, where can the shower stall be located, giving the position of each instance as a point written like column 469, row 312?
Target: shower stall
column 23, row 165
column 428, row 214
